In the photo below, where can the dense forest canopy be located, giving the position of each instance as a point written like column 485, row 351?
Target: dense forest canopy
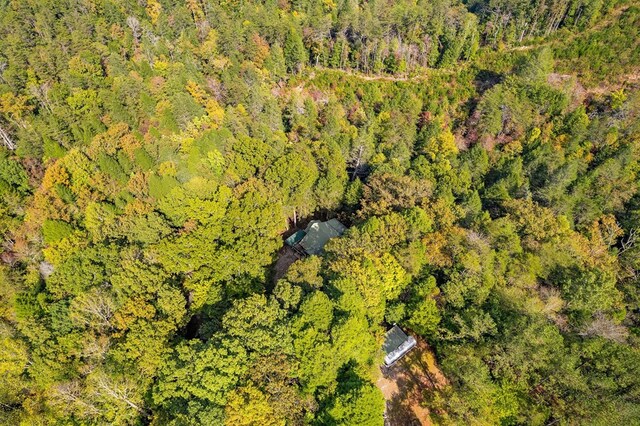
column 485, row 155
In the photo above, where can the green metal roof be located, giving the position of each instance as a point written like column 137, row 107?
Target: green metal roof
column 319, row 233
column 295, row 238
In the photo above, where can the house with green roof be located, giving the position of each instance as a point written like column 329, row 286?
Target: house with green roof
column 396, row 345
column 313, row 239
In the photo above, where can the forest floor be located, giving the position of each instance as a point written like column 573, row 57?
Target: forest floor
column 405, row 383
column 286, row 257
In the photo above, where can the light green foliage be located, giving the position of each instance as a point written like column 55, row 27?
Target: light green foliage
column 143, row 159
column 163, row 149
column 306, row 272
column 294, row 174
column 258, row 324
column 362, row 406
column 316, row 311
column 425, row 317
column 589, row 291
column 423, row 313
column 599, row 55
column 14, row 361
column 295, row 54
column 206, row 372
column 13, row 176
column 55, row 230
column 289, row 295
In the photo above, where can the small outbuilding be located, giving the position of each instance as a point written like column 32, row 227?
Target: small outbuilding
column 319, row 233
column 396, row 345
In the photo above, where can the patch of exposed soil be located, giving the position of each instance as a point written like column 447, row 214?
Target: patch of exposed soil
column 286, row 257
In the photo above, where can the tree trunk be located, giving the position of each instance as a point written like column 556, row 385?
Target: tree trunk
column 6, row 140
column 357, row 164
